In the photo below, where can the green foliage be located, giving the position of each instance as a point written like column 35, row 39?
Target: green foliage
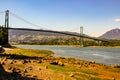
column 3, row 35
column 70, row 41
column 66, row 41
column 113, row 43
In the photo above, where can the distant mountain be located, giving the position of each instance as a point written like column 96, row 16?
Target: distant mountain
column 113, row 34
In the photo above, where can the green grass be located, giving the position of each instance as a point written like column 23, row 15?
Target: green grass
column 30, row 52
column 94, row 78
column 68, row 69
column 58, row 68
column 78, row 76
column 90, row 72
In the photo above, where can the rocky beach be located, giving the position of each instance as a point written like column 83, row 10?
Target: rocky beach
column 27, row 64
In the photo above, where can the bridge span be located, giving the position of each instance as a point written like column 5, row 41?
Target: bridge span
column 60, row 32
column 4, row 30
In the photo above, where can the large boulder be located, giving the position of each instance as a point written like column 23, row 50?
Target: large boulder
column 1, row 49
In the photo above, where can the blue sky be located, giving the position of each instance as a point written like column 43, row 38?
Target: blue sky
column 96, row 16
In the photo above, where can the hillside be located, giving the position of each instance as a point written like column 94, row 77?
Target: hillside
column 16, row 35
column 113, row 34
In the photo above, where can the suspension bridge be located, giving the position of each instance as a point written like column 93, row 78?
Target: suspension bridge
column 4, row 29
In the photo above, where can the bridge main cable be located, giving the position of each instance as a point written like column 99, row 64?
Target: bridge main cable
column 51, row 31
column 2, row 12
column 26, row 21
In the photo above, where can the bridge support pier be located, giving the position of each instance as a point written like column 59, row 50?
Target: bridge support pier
column 6, row 26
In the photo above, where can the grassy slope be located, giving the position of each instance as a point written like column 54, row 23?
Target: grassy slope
column 30, row 52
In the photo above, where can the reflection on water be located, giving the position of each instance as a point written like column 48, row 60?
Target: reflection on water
column 100, row 55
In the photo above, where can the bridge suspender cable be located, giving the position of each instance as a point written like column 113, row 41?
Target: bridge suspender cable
column 28, row 22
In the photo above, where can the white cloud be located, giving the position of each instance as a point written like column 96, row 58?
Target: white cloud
column 117, row 20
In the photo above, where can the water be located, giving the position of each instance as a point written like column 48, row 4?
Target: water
column 100, row 55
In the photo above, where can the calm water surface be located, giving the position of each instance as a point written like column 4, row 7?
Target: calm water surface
column 100, row 55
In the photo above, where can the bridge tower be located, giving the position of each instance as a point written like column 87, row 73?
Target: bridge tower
column 6, row 18
column 6, row 26
column 81, row 38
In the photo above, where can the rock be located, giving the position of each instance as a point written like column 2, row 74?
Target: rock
column 11, row 62
column 39, row 61
column 86, row 65
column 1, row 49
column 60, row 63
column 62, row 57
column 27, row 74
column 54, row 63
column 34, row 61
column 10, row 68
column 13, row 70
column 3, row 63
column 113, row 79
column 14, row 61
column 5, row 59
column 46, row 67
column 29, row 60
column 34, row 75
column 71, row 75
column 80, row 66
column 77, row 62
column 93, row 65
column 17, row 70
column 25, row 71
column 39, row 69
column 92, row 62
column 30, row 68
column 25, row 61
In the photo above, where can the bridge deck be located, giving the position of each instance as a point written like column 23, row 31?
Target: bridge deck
column 51, row 31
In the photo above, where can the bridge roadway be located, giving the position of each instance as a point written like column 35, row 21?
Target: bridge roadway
column 51, row 31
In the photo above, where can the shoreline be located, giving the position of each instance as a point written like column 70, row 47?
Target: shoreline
column 76, row 46
column 92, row 57
column 91, row 60
column 8, row 49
